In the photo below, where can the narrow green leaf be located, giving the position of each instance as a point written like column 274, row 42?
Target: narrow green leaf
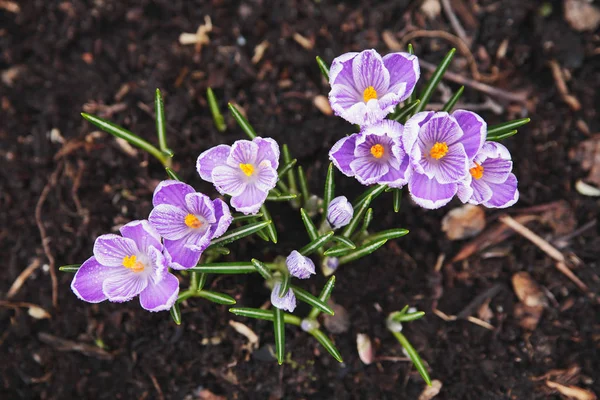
column 309, row 299
column 282, row 197
column 311, row 229
column 397, row 199
column 411, row 51
column 373, row 192
column 172, row 174
column 185, row 295
column 345, row 242
column 239, row 233
column 194, row 281
column 213, row 105
column 242, row 217
column 242, row 121
column 316, row 244
column 324, row 297
column 505, row 127
column 497, row 138
column 407, row 317
column 323, row 67
column 337, row 251
column 69, row 268
column 270, row 228
column 279, row 332
column 329, row 190
column 283, row 170
column 406, row 111
column 202, row 280
column 367, row 220
column 386, row 235
column 130, row 137
column 362, row 251
column 216, row 297
column 326, row 343
column 434, row 81
column 414, row 356
column 161, row 123
column 176, row 313
column 452, row 102
column 303, row 184
column 225, row 268
column 291, row 177
column 222, row 251
column 285, row 284
column 357, row 217
column 266, row 315
column 262, row 269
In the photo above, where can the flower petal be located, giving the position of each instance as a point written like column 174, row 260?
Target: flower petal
column 124, row 284
column 368, row 171
column 474, row 129
column 397, row 177
column 157, row 263
column 143, row 234
column 287, row 302
column 223, row 216
column 180, row 255
column 268, row 149
column 339, row 212
column 210, row 159
column 242, row 152
column 496, row 170
column 465, row 191
column 368, row 70
column 200, row 204
column 342, row 154
column 448, row 169
column 87, row 283
column 299, row 266
column 229, row 180
column 171, row 192
column 504, row 194
column 404, row 73
column 266, row 177
column 110, row 249
column 161, row 296
column 481, row 191
column 412, row 129
column 341, row 69
column 429, row 193
column 250, row 200
column 169, row 221
column 441, row 128
column 387, row 127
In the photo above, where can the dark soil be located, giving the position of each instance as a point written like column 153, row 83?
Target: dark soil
column 74, row 55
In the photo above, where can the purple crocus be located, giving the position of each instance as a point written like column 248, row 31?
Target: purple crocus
column 299, row 266
column 246, row 171
column 440, row 147
column 365, row 87
column 492, row 183
column 375, row 155
column 187, row 221
column 287, row 302
column 339, row 212
column 124, row 266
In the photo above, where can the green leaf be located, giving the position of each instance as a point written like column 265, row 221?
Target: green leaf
column 386, row 235
column 362, row 251
column 505, row 127
column 242, row 217
column 176, row 313
column 406, row 111
column 172, row 174
column 497, row 138
column 316, row 244
column 291, row 177
column 372, row 192
column 266, row 315
column 213, row 105
column 414, row 356
column 283, row 170
column 345, row 242
column 323, row 67
column 403, row 317
column 186, row 295
column 311, row 229
column 452, row 102
column 286, row 280
column 262, row 269
column 367, row 220
column 201, row 280
column 282, row 197
column 309, row 299
column 161, row 123
column 270, row 228
column 356, row 218
column 303, row 184
column 326, row 343
column 279, row 331
column 222, row 251
column 69, row 268
column 242, row 121
column 324, row 297
column 337, row 251
column 328, row 191
column 130, row 137
column 434, row 81
column 238, row 233
column 397, row 199
column 216, row 297
column 225, row 268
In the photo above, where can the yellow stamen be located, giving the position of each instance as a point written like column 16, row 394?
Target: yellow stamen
column 438, row 150
column 247, row 169
column 377, row 150
column 369, row 94
column 476, row 171
column 192, row 221
column 132, row 263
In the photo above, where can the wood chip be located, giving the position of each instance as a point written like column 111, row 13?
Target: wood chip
column 259, row 51
column 527, row 290
column 528, row 317
column 464, row 222
column 69, row 345
column 322, row 103
column 253, row 341
column 10, row 6
column 365, row 348
column 572, row 392
column 38, row 312
column 18, row 283
column 10, row 75
column 431, row 8
column 303, row 41
column 431, row 391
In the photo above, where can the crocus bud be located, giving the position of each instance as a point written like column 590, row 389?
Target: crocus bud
column 339, row 212
column 287, row 302
column 329, row 265
column 299, row 266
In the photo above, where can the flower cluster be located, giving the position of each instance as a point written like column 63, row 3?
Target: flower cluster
column 439, row 155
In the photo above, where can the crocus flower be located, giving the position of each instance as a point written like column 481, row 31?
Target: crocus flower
column 300, row 266
column 287, row 302
column 246, row 171
column 365, row 87
column 375, row 155
column 492, row 183
column 339, row 212
column 124, row 266
column 187, row 221
column 440, row 147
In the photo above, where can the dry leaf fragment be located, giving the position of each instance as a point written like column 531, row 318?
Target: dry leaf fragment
column 581, row 15
column 528, row 317
column 572, row 392
column 365, row 348
column 431, row 391
column 464, row 222
column 259, row 51
column 322, row 103
column 431, row 8
column 587, row 153
column 303, row 41
column 38, row 312
column 249, row 333
column 527, row 290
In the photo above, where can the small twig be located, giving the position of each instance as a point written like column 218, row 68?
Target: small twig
column 18, row 283
column 439, row 262
column 159, row 391
column 40, row 225
column 460, row 32
column 480, row 322
column 561, row 85
column 61, row 344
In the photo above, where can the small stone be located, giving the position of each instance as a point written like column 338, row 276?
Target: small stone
column 365, row 348
column 464, row 222
column 582, row 15
column 338, row 323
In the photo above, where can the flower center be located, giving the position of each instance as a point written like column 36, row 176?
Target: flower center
column 192, row 221
column 476, row 171
column 247, row 169
column 369, row 94
column 133, row 264
column 438, row 150
column 377, row 150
